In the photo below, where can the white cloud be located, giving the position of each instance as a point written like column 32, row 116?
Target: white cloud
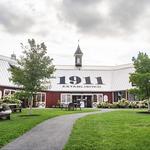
column 110, row 33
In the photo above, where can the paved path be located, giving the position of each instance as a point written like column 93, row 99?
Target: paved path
column 51, row 134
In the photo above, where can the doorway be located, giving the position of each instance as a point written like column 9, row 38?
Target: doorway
column 87, row 100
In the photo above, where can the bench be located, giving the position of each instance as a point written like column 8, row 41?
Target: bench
column 70, row 106
column 15, row 108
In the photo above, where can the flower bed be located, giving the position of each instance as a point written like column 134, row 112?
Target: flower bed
column 124, row 104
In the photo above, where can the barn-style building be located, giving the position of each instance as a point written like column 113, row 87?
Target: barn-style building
column 72, row 83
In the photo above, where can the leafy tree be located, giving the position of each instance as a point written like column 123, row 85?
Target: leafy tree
column 33, row 69
column 141, row 76
column 137, row 93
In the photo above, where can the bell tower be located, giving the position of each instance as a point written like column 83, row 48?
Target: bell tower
column 78, row 57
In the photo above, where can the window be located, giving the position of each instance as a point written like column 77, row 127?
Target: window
column 66, row 98
column 8, row 92
column 63, row 98
column 100, row 97
column 78, row 60
column 40, row 97
column 43, row 97
column 94, row 98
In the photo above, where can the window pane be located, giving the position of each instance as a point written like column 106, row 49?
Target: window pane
column 38, row 98
column 43, row 97
column 7, row 92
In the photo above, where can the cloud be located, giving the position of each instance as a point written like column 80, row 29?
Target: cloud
column 14, row 20
column 104, row 17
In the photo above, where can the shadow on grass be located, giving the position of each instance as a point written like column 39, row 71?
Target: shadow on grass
column 32, row 115
column 144, row 112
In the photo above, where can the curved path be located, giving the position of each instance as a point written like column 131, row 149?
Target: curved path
column 51, row 134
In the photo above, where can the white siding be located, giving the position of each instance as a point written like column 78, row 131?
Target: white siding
column 114, row 77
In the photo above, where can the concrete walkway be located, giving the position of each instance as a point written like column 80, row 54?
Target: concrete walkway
column 51, row 134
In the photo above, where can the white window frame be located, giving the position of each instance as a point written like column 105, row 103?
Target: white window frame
column 66, row 98
column 41, row 93
column 98, row 98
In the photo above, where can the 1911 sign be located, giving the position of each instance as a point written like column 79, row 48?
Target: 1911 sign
column 77, row 80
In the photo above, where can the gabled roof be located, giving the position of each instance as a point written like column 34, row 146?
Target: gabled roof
column 115, row 78
column 78, row 51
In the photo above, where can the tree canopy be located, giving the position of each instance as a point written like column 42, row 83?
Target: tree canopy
column 33, row 67
column 141, row 76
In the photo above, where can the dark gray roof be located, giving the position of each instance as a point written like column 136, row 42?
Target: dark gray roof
column 78, row 51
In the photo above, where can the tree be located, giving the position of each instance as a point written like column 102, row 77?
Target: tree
column 136, row 93
column 141, row 76
column 33, row 68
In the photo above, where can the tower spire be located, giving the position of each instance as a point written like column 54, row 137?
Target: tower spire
column 78, row 56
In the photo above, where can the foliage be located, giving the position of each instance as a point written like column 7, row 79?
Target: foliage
column 1, row 101
column 123, row 103
column 33, row 68
column 137, row 93
column 141, row 76
column 11, row 99
column 21, row 95
column 103, row 105
column 5, row 106
column 133, row 104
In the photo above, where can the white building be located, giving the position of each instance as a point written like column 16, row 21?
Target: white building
column 88, row 84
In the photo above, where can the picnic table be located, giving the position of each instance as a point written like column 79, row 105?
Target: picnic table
column 15, row 107
column 70, row 106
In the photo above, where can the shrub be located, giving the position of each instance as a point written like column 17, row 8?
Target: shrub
column 103, row 105
column 10, row 99
column 142, row 104
column 133, row 104
column 123, row 103
column 115, row 105
column 5, row 107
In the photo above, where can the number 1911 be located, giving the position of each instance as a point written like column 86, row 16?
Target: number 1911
column 77, row 80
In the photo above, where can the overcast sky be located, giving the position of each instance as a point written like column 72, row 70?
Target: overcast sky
column 111, row 32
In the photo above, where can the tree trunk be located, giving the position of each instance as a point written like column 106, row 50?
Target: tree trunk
column 149, row 104
column 30, row 106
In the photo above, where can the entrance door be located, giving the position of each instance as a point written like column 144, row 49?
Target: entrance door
column 87, row 100
column 76, row 98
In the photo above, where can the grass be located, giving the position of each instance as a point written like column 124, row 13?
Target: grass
column 119, row 130
column 22, row 122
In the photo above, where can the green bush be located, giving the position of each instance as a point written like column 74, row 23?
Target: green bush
column 133, row 104
column 5, row 107
column 10, row 99
column 115, row 105
column 124, row 104
column 103, row 105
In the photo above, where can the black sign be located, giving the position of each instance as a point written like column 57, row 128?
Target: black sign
column 76, row 80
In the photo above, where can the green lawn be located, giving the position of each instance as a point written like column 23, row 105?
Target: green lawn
column 120, row 130
column 20, row 122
